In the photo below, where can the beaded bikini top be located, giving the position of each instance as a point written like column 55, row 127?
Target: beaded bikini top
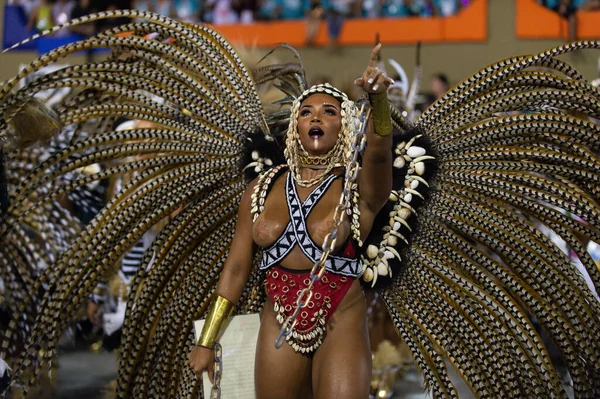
column 296, row 233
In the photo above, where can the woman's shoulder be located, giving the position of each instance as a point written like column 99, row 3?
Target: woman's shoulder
column 261, row 186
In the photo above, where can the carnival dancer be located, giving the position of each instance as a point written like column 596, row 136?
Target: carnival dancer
column 296, row 217
column 453, row 251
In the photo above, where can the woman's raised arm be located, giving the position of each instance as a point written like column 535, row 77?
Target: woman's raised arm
column 375, row 177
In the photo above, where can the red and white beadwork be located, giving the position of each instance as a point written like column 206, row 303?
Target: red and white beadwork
column 282, row 287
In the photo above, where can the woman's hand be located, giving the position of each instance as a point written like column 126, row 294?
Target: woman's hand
column 201, row 359
column 374, row 81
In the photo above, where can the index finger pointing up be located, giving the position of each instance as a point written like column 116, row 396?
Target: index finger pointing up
column 374, row 56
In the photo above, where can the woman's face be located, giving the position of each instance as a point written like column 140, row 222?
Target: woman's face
column 319, row 123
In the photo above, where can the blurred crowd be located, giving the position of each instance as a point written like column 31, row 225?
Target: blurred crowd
column 568, row 7
column 568, row 10
column 43, row 14
column 46, row 13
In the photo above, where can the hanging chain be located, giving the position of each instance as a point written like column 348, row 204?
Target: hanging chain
column 359, row 141
column 215, row 392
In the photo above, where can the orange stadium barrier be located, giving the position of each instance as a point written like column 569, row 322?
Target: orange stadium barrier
column 469, row 25
column 534, row 21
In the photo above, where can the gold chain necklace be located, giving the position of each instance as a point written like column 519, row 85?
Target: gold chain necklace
column 305, row 161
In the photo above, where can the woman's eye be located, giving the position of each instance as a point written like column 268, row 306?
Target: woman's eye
column 330, row 112
column 305, row 112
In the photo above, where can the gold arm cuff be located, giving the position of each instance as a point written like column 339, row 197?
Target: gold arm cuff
column 219, row 311
column 381, row 113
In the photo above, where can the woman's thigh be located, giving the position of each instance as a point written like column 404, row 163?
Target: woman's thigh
column 279, row 373
column 342, row 364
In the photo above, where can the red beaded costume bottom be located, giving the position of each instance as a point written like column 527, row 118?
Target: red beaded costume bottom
column 282, row 286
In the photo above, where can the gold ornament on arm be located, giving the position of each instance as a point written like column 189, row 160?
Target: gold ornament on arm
column 219, row 311
column 381, row 113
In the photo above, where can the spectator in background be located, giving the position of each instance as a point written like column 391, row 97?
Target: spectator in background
column 207, row 10
column 589, row 5
column 83, row 8
column 61, row 10
column 27, row 5
column 187, row 10
column 439, row 87
column 247, row 10
column 142, row 5
column 283, row 9
column 61, row 13
column 338, row 11
column 423, row 8
column 164, row 7
column 397, row 8
column 268, row 10
column 223, row 13
column 314, row 16
column 370, row 8
column 445, row 8
column 292, row 9
column 566, row 9
column 40, row 18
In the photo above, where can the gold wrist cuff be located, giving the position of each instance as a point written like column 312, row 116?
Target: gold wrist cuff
column 381, row 113
column 219, row 311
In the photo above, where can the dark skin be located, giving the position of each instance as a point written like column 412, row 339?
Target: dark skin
column 341, row 366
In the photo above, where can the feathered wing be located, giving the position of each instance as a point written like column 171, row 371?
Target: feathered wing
column 32, row 244
column 35, row 241
column 513, row 144
column 469, row 276
column 202, row 105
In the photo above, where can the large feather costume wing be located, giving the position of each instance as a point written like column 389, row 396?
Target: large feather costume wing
column 190, row 84
column 34, row 242
column 472, row 272
column 502, row 152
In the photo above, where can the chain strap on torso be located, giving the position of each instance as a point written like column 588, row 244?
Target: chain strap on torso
column 359, row 141
column 215, row 392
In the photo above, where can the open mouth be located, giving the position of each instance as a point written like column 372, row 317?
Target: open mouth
column 315, row 132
